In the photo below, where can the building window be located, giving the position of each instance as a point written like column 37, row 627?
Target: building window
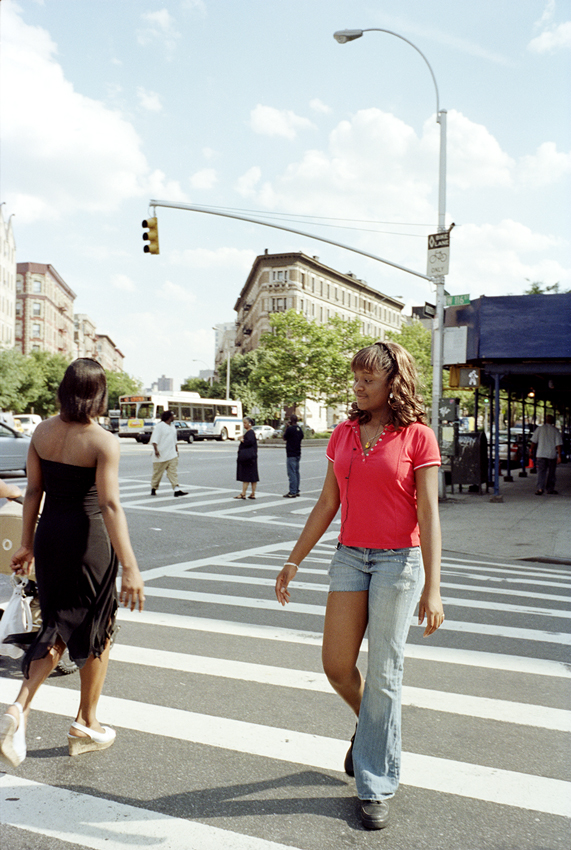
column 328, row 292
column 36, row 286
column 18, row 285
column 18, row 308
column 36, row 309
column 279, row 305
column 321, row 314
column 312, row 284
column 342, row 296
column 36, row 330
column 312, row 309
column 321, row 287
column 303, row 280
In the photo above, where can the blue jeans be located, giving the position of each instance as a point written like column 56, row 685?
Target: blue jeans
column 393, row 579
column 293, row 474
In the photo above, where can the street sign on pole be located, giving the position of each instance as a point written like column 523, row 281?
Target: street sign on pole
column 438, row 254
column 457, row 300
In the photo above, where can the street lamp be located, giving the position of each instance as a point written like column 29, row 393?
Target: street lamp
column 343, row 36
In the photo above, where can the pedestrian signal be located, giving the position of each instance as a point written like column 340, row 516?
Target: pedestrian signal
column 464, row 377
column 151, row 235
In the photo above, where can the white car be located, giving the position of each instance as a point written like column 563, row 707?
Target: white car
column 263, row 432
column 13, row 449
column 28, row 422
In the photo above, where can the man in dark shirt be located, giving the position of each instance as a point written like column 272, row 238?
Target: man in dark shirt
column 293, row 435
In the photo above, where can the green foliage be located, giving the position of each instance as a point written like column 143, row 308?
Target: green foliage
column 30, row 382
column 120, row 383
column 49, row 370
column 537, row 287
column 418, row 341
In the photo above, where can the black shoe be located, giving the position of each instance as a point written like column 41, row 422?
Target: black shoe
column 374, row 813
column 153, row 492
column 349, row 770
column 289, row 495
column 180, row 493
column 298, row 494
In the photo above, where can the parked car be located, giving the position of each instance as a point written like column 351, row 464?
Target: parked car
column 13, row 448
column 516, row 448
column 28, row 422
column 307, row 431
column 263, row 432
column 183, row 432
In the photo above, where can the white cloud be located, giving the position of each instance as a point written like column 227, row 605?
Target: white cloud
column 174, row 292
column 556, row 38
column 318, row 106
column 277, row 122
column 67, row 152
column 475, row 156
column 123, row 282
column 547, row 167
column 245, row 185
column 206, row 178
column 149, row 100
column 497, row 259
column 158, row 26
column 162, row 189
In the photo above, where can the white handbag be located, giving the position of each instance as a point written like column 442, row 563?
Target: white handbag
column 17, row 617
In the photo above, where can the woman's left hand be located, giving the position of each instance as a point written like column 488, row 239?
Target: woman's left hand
column 430, row 605
column 132, row 594
column 22, row 561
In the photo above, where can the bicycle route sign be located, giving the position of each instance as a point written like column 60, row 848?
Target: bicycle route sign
column 438, row 254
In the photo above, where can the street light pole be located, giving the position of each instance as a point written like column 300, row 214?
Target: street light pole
column 343, row 36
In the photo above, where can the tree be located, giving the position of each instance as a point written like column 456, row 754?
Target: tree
column 49, row 370
column 15, row 380
column 537, row 287
column 340, row 339
column 418, row 341
column 118, row 384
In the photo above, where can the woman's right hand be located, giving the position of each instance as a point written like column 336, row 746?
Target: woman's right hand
column 132, row 593
column 282, row 582
column 22, row 561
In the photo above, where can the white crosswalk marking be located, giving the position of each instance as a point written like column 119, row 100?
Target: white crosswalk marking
column 491, row 631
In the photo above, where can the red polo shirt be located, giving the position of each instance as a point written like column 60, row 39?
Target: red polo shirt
column 378, row 492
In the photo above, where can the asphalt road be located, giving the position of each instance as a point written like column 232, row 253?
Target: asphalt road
column 230, row 737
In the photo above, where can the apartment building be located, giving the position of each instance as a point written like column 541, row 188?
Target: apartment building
column 280, row 282
column 44, row 311
column 107, row 353
column 7, row 283
column 84, row 336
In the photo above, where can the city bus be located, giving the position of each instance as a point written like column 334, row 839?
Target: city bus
column 208, row 418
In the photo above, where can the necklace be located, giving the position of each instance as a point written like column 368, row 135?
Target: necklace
column 372, row 439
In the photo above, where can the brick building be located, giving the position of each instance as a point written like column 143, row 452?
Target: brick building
column 44, row 311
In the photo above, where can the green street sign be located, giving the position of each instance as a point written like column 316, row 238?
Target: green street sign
column 457, row 300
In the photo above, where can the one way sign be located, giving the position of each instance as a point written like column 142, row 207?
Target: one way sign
column 438, row 254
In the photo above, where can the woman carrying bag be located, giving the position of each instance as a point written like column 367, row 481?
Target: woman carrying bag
column 81, row 537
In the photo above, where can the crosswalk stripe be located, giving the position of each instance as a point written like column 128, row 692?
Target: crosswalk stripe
column 102, row 824
column 319, row 610
column 424, row 652
column 485, row 708
column 490, row 784
column 466, row 603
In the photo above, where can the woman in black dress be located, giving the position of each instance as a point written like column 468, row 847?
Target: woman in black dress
column 247, row 468
column 80, row 539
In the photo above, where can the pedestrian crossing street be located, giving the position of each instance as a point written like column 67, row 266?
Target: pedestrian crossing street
column 478, row 697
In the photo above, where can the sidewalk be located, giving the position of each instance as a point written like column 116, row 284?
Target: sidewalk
column 524, row 526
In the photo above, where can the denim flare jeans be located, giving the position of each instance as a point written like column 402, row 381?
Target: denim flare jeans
column 393, row 578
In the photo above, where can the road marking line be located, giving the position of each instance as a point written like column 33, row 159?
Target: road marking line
column 438, row 654
column 503, row 711
column 102, row 824
column 490, row 784
column 256, row 603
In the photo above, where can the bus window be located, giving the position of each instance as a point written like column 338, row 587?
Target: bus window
column 160, row 410
column 185, row 411
column 197, row 413
column 222, row 410
column 175, row 407
column 128, row 411
column 147, row 410
column 209, row 413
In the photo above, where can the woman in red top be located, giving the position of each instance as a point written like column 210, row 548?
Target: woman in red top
column 383, row 472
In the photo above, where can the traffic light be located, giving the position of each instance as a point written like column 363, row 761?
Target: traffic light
column 151, row 235
column 464, row 377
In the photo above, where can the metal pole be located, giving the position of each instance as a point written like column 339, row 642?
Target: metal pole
column 438, row 322
column 227, row 373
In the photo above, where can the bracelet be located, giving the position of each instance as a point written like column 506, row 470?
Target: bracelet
column 291, row 564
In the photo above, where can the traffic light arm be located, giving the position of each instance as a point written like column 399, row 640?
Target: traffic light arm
column 192, row 208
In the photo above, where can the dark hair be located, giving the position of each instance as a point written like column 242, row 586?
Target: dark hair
column 83, row 392
column 293, row 419
column 250, row 420
column 167, row 414
column 390, row 357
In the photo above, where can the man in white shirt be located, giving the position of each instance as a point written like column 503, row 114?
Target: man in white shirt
column 546, row 445
column 163, row 440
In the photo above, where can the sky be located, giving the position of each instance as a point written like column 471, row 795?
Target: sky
column 253, row 106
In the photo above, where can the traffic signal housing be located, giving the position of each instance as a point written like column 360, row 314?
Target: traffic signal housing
column 151, row 236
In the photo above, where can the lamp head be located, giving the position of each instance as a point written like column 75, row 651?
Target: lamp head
column 343, row 36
